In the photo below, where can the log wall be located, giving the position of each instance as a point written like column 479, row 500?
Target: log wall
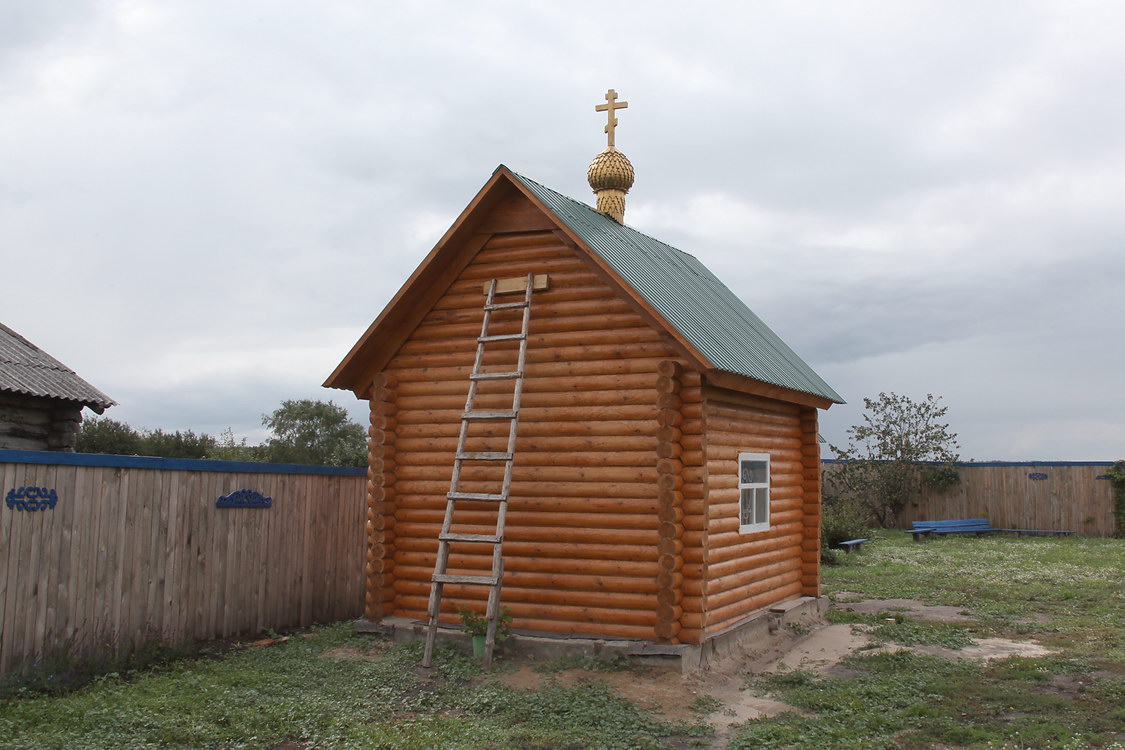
column 135, row 551
column 585, row 550
column 746, row 572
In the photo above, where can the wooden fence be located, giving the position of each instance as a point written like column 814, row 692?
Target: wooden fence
column 124, row 550
column 1068, row 495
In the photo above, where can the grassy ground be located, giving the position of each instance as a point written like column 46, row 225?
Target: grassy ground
column 331, row 689
column 1066, row 594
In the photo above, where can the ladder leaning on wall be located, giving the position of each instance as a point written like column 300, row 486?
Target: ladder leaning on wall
column 495, row 579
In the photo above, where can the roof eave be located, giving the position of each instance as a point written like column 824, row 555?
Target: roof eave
column 744, row 384
column 365, row 360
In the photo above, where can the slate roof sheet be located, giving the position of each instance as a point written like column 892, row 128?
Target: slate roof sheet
column 28, row 370
column 708, row 314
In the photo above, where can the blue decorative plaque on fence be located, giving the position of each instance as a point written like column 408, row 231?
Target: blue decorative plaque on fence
column 244, row 499
column 1103, row 476
column 31, row 498
column 1037, row 476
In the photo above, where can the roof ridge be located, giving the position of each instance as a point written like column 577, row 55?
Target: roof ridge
column 596, row 212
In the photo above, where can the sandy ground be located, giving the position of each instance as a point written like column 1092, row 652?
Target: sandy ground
column 672, row 695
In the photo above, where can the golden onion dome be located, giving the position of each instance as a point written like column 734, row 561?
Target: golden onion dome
column 610, row 170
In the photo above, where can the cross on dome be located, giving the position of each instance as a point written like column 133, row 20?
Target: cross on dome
column 609, row 108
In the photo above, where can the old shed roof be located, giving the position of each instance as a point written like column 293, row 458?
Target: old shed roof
column 26, row 369
column 689, row 297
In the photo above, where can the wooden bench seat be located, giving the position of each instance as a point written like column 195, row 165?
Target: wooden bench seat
column 853, row 544
column 953, row 526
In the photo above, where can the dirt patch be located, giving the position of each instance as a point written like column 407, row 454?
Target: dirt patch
column 373, row 651
column 912, row 608
column 988, row 649
column 821, row 650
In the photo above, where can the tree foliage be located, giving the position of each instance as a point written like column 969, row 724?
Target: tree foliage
column 105, row 435
column 315, row 432
column 304, row 432
column 901, row 447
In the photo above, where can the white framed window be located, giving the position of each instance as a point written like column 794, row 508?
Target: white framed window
column 754, row 492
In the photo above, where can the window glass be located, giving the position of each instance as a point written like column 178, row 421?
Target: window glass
column 754, row 492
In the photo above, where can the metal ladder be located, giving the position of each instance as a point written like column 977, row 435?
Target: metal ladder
column 495, row 579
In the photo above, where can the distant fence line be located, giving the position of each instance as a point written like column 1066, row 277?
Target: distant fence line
column 1066, row 495
column 98, row 549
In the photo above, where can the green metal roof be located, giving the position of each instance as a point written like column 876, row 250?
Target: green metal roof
column 708, row 314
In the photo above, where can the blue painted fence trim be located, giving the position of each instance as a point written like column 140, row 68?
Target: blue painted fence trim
column 171, row 464
column 970, row 464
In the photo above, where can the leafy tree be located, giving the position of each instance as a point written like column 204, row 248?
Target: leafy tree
column 315, row 432
column 226, row 448
column 176, row 444
column 105, row 435
column 901, row 447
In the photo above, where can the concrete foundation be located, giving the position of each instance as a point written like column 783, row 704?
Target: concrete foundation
column 684, row 657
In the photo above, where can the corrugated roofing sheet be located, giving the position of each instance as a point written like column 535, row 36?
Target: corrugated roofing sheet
column 27, row 369
column 708, row 314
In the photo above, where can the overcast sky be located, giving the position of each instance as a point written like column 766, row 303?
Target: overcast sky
column 203, row 204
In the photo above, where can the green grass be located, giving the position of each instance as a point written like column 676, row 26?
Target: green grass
column 318, row 690
column 334, row 689
column 1067, row 594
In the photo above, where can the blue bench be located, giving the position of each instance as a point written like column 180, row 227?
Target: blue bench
column 852, row 544
column 976, row 526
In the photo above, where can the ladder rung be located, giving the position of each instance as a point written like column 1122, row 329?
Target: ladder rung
column 490, row 538
column 489, row 415
column 446, row 578
column 506, row 306
column 483, row 456
column 486, row 496
column 496, row 375
column 501, row 337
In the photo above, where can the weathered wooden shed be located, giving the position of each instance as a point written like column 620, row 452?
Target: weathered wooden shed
column 665, row 481
column 41, row 399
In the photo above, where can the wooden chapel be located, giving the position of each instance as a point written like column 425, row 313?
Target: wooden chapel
column 665, row 479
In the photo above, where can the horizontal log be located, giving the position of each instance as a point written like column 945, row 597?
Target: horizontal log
column 622, row 337
column 667, row 631
column 642, row 570
column 670, row 418
column 549, row 596
column 457, row 384
column 578, row 503
column 722, row 592
column 531, row 400
column 476, row 471
column 536, row 414
column 409, row 531
column 614, row 428
column 737, row 398
column 535, row 355
column 720, row 617
column 667, row 385
column 578, row 517
column 537, row 489
column 558, row 550
column 594, row 320
column 549, row 372
column 564, row 613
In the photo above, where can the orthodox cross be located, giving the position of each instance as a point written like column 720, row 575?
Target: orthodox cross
column 609, row 107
